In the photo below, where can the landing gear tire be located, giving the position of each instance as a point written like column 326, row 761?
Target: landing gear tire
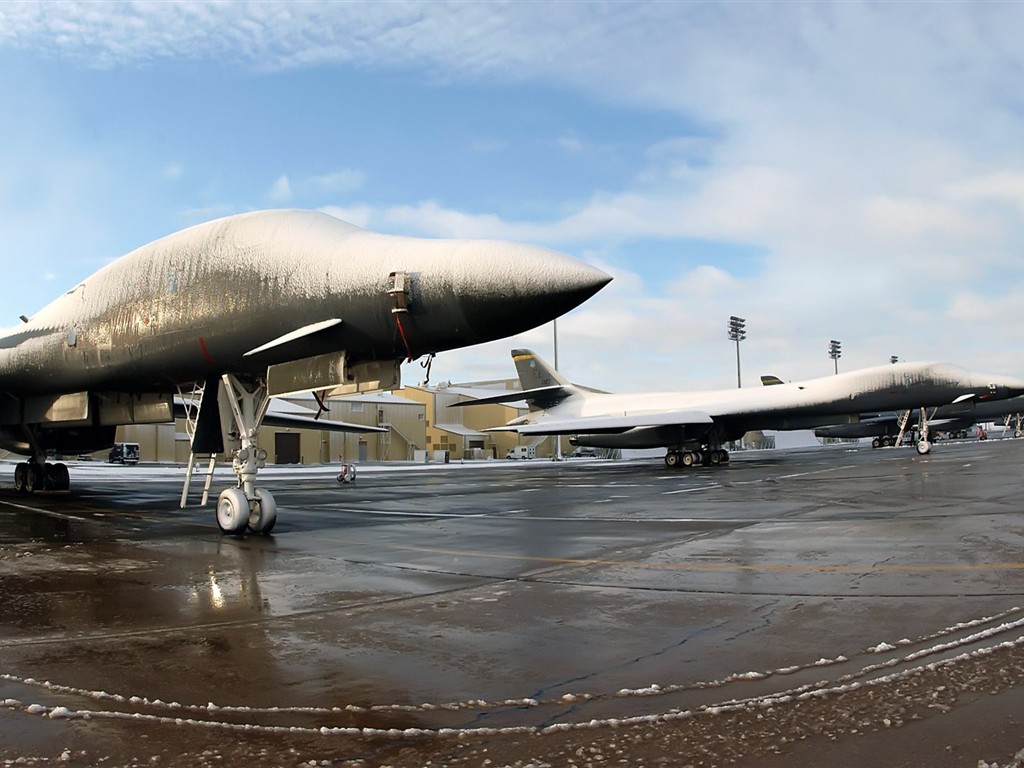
column 1016, row 433
column 689, row 458
column 672, row 459
column 924, row 447
column 233, row 511
column 875, row 442
column 20, row 478
column 715, row 457
column 34, row 477
column 263, row 514
column 63, row 477
column 56, row 477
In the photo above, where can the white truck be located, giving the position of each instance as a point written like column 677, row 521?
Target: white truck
column 522, row 452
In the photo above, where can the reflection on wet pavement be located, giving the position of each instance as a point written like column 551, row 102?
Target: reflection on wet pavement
column 514, row 613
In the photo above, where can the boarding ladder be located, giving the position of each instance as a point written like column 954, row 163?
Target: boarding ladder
column 902, row 419
column 191, row 401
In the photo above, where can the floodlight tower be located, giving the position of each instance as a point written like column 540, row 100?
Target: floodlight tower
column 737, row 332
column 835, row 352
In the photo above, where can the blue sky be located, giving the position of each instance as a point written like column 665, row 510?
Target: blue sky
column 851, row 170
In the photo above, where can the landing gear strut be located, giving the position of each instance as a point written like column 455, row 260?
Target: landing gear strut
column 246, row 506
column 923, row 446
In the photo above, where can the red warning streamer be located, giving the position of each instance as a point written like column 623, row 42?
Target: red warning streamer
column 401, row 331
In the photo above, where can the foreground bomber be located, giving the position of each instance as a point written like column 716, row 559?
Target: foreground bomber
column 252, row 306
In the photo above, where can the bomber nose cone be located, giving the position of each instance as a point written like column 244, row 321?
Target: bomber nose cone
column 1000, row 387
column 510, row 287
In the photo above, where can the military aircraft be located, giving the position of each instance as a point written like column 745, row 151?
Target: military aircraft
column 232, row 312
column 695, row 426
column 886, row 429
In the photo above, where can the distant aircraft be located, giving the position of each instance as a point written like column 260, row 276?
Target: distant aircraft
column 885, row 429
column 695, row 426
column 244, row 308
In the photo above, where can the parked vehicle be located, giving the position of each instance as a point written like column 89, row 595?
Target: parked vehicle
column 522, row 452
column 124, row 453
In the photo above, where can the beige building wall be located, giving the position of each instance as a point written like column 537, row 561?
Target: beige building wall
column 461, row 430
column 406, row 433
column 418, row 418
column 405, row 419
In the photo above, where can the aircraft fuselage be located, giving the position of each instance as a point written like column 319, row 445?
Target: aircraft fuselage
column 194, row 303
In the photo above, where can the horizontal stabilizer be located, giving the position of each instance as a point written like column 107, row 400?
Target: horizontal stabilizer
column 555, row 392
column 298, row 333
column 593, row 424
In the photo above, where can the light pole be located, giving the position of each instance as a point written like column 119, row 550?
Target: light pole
column 558, row 438
column 737, row 332
column 835, row 352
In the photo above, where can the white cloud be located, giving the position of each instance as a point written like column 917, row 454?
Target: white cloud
column 316, row 188
column 281, row 190
column 571, row 144
column 871, row 152
column 1001, row 186
column 346, row 180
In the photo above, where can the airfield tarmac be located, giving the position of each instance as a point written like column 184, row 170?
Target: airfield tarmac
column 823, row 607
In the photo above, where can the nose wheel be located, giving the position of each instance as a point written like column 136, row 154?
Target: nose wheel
column 236, row 513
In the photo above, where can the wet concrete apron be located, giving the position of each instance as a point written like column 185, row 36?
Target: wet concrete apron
column 793, row 605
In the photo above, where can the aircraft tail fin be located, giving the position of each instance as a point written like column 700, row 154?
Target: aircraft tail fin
column 534, row 372
column 543, row 386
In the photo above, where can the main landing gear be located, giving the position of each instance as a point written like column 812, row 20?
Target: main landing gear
column 246, row 506
column 919, row 434
column 707, row 457
column 32, row 476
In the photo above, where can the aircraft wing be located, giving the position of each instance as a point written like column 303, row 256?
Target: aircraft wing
column 607, row 424
column 308, row 422
column 285, row 420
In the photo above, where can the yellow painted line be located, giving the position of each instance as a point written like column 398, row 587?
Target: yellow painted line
column 693, row 566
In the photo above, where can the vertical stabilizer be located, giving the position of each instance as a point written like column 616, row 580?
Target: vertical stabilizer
column 534, row 372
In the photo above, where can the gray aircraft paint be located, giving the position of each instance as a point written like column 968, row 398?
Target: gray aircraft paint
column 189, row 306
column 656, row 419
column 195, row 301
